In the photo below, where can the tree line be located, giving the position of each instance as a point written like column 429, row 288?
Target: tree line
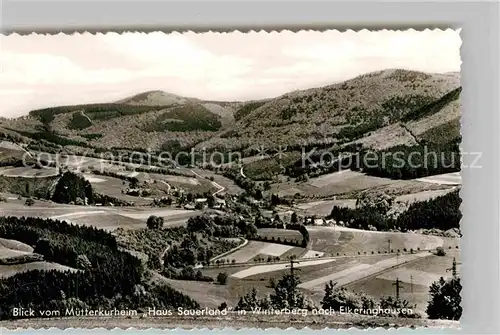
column 442, row 212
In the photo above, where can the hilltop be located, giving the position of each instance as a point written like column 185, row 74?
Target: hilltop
column 379, row 109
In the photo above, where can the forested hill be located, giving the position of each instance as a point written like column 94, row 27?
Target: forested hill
column 384, row 108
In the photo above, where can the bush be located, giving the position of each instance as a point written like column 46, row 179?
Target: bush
column 222, row 278
column 440, row 251
column 154, row 222
column 29, row 202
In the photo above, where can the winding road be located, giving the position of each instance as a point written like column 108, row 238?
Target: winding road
column 220, row 188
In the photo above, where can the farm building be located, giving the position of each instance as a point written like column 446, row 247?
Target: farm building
column 219, row 204
column 319, row 222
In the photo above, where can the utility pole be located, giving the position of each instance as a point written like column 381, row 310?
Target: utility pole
column 292, row 261
column 398, row 286
column 453, row 268
column 389, row 241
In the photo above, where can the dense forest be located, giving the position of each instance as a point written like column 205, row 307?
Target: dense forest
column 103, row 276
column 403, row 162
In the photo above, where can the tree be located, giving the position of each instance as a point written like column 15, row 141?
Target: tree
column 154, row 222
column 440, row 251
column 210, row 201
column 287, row 295
column 294, row 218
column 83, row 262
column 305, row 235
column 337, row 298
column 70, row 187
column 377, row 200
column 222, row 278
column 277, row 219
column 445, row 299
column 249, row 301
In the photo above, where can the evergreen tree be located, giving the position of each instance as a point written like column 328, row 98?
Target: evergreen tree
column 286, row 293
column 445, row 297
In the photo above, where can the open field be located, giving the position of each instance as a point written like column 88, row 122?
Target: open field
column 416, row 278
column 113, row 187
column 444, row 179
column 402, row 187
column 255, row 248
column 108, row 218
column 403, row 190
column 281, row 233
column 11, row 270
column 27, row 172
column 324, row 207
column 341, row 240
column 6, row 253
column 259, row 269
column 424, row 195
column 347, row 180
column 331, row 184
column 313, row 254
column 360, row 271
column 15, row 245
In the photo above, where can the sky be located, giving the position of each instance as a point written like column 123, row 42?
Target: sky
column 38, row 71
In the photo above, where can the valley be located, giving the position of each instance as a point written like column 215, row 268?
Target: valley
column 86, row 189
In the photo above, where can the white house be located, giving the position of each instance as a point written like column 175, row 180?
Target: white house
column 319, row 222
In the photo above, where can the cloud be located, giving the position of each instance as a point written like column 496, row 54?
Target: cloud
column 42, row 70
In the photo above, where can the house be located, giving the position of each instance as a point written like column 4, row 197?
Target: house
column 319, row 222
column 219, row 203
column 330, row 222
column 200, row 200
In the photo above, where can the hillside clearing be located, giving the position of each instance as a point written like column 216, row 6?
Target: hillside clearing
column 15, row 245
column 27, row 172
column 331, row 184
column 444, row 179
column 342, row 240
column 424, row 195
column 275, row 233
column 11, row 270
column 255, row 248
column 324, row 207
